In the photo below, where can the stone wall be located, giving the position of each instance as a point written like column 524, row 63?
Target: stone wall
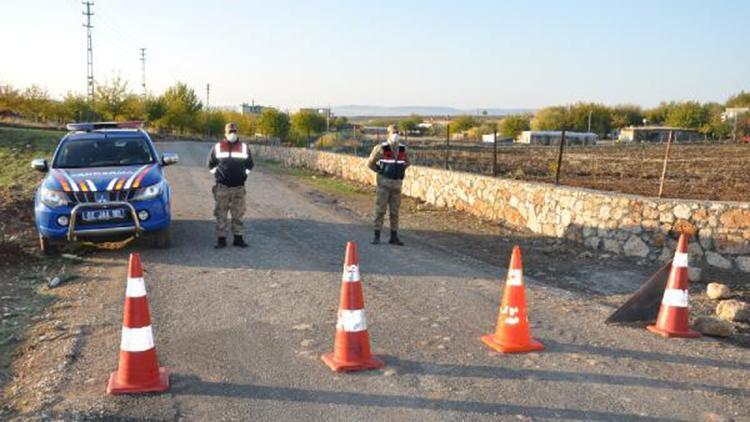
column 614, row 222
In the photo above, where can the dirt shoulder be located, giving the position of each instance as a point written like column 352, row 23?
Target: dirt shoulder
column 602, row 277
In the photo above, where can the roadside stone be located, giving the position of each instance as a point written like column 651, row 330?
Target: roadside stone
column 695, row 252
column 694, row 274
column 714, row 327
column 635, row 247
column 718, row 291
column 716, row 260
column 682, row 211
column 612, row 245
column 733, row 310
column 743, row 263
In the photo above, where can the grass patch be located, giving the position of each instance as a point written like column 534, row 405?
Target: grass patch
column 316, row 179
column 17, row 148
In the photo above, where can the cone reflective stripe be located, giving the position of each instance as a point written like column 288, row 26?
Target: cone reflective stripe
column 674, row 315
column 512, row 333
column 138, row 370
column 351, row 348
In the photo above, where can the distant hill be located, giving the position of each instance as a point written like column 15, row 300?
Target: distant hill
column 381, row 111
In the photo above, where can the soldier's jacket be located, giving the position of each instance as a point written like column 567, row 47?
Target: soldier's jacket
column 389, row 161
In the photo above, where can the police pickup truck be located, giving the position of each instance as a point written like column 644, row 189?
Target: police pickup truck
column 105, row 182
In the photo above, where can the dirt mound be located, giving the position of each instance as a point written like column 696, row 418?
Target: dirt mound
column 16, row 225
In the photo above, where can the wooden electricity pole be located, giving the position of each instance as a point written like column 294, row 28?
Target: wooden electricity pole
column 447, row 144
column 494, row 154
column 559, row 158
column 666, row 160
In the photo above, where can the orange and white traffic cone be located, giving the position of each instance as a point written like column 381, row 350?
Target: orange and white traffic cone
column 512, row 334
column 138, row 371
column 674, row 315
column 351, row 348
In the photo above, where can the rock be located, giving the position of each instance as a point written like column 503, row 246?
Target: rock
column 743, row 263
column 733, row 310
column 71, row 257
column 736, row 219
column 694, row 274
column 635, row 247
column 715, row 327
column 716, row 260
column 695, row 252
column 54, row 282
column 611, row 245
column 718, row 291
column 682, row 211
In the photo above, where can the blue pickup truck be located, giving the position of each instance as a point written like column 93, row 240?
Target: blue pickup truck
column 105, row 182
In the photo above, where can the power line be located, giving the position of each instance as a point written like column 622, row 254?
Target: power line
column 89, row 51
column 143, row 70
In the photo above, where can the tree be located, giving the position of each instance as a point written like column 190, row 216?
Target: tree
column 212, row 122
column 739, row 100
column 578, row 116
column 76, row 108
column 339, row 122
column 181, row 108
column 410, row 123
column 308, row 122
column 273, row 123
column 463, row 123
column 658, row 115
column 513, row 125
column 113, row 101
column 626, row 115
column 10, row 98
column 688, row 114
column 551, row 118
column 35, row 103
column 154, row 108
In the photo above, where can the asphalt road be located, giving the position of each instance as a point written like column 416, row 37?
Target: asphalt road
column 242, row 330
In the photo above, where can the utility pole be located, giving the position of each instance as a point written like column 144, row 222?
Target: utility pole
column 208, row 94
column 590, row 111
column 143, row 70
column 89, row 51
column 664, row 167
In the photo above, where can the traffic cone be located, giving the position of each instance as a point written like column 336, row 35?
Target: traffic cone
column 351, row 348
column 674, row 315
column 138, row 371
column 512, row 334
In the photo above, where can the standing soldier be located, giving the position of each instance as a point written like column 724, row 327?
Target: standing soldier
column 230, row 162
column 389, row 161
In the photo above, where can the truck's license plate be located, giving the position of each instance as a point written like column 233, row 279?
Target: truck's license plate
column 104, row 215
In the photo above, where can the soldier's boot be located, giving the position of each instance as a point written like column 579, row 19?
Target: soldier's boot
column 221, row 243
column 394, row 239
column 376, row 239
column 239, row 241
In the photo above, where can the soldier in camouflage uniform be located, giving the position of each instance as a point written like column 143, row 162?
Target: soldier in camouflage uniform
column 389, row 161
column 230, row 162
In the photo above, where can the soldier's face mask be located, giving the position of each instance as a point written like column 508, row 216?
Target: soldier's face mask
column 231, row 136
column 394, row 138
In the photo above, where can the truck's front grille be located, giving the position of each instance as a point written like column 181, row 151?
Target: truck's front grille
column 81, row 197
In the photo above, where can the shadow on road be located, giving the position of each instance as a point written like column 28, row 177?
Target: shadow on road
column 193, row 385
column 557, row 347
column 500, row 373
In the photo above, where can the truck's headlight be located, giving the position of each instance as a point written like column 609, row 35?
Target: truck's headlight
column 53, row 198
column 149, row 192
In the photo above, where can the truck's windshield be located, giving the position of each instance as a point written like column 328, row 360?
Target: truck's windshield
column 107, row 152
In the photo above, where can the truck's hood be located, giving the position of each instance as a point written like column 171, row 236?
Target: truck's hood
column 102, row 178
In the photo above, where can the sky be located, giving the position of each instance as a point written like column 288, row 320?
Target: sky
column 480, row 54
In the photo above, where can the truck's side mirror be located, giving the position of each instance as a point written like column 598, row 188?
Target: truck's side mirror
column 40, row 164
column 169, row 158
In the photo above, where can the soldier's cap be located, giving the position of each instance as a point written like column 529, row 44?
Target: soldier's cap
column 392, row 128
column 230, row 127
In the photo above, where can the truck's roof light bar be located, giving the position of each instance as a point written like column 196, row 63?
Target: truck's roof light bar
column 90, row 126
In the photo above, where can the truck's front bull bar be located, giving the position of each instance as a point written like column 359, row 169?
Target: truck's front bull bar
column 73, row 233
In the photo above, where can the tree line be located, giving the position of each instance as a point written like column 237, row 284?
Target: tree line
column 178, row 110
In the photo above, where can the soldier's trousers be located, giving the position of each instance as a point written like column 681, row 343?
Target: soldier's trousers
column 232, row 201
column 390, row 197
